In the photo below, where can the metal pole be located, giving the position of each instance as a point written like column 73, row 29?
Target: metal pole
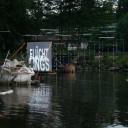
column 102, row 47
column 84, row 54
column 68, row 57
column 56, row 57
column 113, row 56
column 63, row 58
column 99, row 58
column 60, row 58
column 94, row 48
column 123, row 45
column 116, row 47
column 89, row 54
column 108, row 49
column 78, row 57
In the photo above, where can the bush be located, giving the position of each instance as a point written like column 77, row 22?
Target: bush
column 122, row 61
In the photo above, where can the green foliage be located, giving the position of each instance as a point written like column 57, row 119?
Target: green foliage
column 122, row 61
column 29, row 16
column 2, row 56
column 122, row 31
column 122, row 27
column 122, row 8
column 19, row 17
column 122, row 15
column 107, row 61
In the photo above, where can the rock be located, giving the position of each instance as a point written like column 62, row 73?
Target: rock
column 113, row 69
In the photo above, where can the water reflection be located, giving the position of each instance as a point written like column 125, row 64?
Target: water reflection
column 81, row 100
column 34, row 100
column 40, row 101
column 68, row 75
column 93, row 98
column 20, row 96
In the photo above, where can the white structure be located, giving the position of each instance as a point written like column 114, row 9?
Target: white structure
column 71, row 46
column 15, row 71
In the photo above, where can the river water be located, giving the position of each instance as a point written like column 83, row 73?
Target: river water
column 80, row 100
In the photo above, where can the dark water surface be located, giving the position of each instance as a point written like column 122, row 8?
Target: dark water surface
column 81, row 100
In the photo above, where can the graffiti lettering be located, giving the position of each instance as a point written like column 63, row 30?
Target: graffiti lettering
column 38, row 59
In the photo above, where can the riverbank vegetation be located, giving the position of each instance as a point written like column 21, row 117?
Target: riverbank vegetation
column 90, row 60
column 105, row 61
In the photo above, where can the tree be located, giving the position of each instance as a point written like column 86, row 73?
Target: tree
column 122, row 30
column 122, row 8
column 19, row 17
column 122, row 16
column 82, row 14
column 29, row 16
